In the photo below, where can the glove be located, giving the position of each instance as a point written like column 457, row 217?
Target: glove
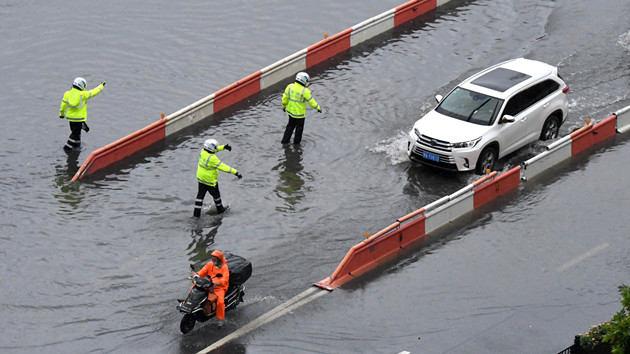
column 239, row 175
column 103, row 83
column 319, row 109
column 62, row 116
column 227, row 147
column 284, row 109
column 85, row 127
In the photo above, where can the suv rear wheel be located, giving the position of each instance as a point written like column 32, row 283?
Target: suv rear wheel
column 486, row 161
column 550, row 128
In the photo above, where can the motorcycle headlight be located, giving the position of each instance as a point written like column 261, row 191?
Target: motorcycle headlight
column 467, row 144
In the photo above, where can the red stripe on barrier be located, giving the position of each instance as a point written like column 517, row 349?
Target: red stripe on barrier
column 378, row 249
column 328, row 48
column 591, row 134
column 413, row 231
column 413, row 9
column 237, row 91
column 122, row 148
column 496, row 187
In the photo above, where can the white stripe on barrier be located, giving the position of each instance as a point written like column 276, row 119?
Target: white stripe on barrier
column 559, row 142
column 450, row 211
column 372, row 27
column 187, row 117
column 172, row 120
column 282, row 69
column 560, row 151
column 623, row 120
column 290, row 305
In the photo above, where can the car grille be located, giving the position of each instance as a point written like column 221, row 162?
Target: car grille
column 435, row 143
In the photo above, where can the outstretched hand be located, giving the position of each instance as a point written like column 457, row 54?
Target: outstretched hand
column 319, row 109
column 228, row 147
column 239, row 175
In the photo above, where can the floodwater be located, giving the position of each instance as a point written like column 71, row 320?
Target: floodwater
column 96, row 266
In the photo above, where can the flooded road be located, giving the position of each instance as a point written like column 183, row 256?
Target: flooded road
column 96, row 266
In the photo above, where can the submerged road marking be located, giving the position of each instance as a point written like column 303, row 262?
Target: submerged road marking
column 586, row 255
column 295, row 302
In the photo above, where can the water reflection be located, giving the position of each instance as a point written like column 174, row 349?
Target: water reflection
column 202, row 238
column 71, row 195
column 290, row 170
column 427, row 182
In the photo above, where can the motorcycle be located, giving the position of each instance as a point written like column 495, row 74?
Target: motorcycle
column 196, row 307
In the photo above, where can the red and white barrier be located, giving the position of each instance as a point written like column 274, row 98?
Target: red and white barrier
column 569, row 146
column 254, row 83
column 412, row 229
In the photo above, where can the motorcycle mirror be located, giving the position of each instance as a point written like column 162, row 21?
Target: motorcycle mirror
column 192, row 266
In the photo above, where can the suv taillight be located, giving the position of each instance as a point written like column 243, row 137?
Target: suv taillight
column 565, row 89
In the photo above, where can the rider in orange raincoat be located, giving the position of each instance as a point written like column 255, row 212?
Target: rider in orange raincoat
column 217, row 265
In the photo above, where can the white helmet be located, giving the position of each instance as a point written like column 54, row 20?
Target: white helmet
column 211, row 145
column 302, row 78
column 79, row 83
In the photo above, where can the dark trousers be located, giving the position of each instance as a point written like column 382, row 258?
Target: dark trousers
column 201, row 193
column 74, row 140
column 298, row 125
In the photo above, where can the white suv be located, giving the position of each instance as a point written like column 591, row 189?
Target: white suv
column 489, row 115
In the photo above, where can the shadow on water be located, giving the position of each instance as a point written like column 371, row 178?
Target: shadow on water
column 70, row 195
column 199, row 248
column 430, row 181
column 290, row 187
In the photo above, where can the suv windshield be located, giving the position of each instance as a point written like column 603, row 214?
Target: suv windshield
column 470, row 106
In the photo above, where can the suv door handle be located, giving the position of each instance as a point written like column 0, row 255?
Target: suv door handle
column 546, row 105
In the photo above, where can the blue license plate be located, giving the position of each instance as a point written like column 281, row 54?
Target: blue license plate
column 430, row 156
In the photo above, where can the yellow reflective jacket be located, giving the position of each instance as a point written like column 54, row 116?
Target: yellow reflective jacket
column 74, row 103
column 209, row 166
column 294, row 98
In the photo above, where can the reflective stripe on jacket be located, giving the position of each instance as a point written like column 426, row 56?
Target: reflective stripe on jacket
column 209, row 166
column 295, row 98
column 74, row 103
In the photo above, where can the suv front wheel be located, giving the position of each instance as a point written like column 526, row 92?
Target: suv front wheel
column 550, row 128
column 486, row 161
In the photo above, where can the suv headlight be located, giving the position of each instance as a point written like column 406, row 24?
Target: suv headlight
column 417, row 132
column 467, row 144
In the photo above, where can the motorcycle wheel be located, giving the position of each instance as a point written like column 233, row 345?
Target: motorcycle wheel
column 188, row 323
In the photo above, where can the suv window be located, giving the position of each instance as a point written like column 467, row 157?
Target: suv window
column 470, row 106
column 524, row 99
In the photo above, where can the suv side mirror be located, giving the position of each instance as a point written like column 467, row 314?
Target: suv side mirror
column 507, row 119
column 438, row 98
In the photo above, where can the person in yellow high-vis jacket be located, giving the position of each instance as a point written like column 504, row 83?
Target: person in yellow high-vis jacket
column 74, row 109
column 294, row 100
column 208, row 174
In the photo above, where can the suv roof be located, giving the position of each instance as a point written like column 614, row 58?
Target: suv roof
column 504, row 78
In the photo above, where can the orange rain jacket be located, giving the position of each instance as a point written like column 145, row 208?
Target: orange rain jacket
column 210, row 270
